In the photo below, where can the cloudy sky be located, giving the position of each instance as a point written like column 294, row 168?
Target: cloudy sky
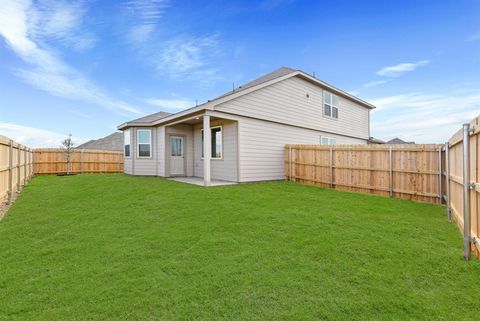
column 83, row 67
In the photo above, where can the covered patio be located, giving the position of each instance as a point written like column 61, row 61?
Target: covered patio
column 202, row 157
column 201, row 182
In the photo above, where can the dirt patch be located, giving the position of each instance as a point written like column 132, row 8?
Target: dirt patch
column 4, row 206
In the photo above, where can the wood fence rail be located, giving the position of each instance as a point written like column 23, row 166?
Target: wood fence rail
column 82, row 161
column 402, row 171
column 16, row 167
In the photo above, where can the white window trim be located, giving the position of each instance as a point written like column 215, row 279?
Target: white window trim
column 329, row 104
column 201, row 142
column 129, row 142
column 137, row 143
column 329, row 140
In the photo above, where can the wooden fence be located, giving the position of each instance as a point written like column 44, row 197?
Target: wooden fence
column 53, row 161
column 402, row 171
column 16, row 167
column 463, row 187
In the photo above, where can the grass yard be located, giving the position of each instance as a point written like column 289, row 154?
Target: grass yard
column 114, row 247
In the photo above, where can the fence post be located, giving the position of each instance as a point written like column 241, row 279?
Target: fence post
column 18, row 167
column 81, row 161
column 331, row 167
column 32, row 163
column 118, row 163
column 10, row 173
column 24, row 166
column 390, row 172
column 447, row 180
column 440, row 175
column 290, row 161
column 466, row 192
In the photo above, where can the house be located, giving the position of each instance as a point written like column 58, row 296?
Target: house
column 112, row 142
column 375, row 141
column 248, row 130
column 398, row 141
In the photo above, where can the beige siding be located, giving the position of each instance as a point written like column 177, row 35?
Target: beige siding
column 161, row 151
column 287, row 102
column 262, row 146
column 144, row 166
column 225, row 168
column 187, row 132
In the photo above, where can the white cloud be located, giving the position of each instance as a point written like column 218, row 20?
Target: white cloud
column 60, row 21
column 188, row 57
column 397, row 70
column 144, row 14
column 171, row 104
column 424, row 118
column 47, row 71
column 35, row 137
column 375, row 83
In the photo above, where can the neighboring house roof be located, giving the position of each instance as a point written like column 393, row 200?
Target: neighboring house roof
column 373, row 140
column 265, row 80
column 397, row 141
column 113, row 142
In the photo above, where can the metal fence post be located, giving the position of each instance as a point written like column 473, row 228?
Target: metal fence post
column 466, row 192
column 10, row 173
column 440, row 175
column 447, row 180
column 390, row 172
column 331, row 167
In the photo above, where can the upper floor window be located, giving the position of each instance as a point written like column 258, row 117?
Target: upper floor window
column 330, row 105
column 216, row 136
column 144, row 143
column 324, row 140
column 126, row 142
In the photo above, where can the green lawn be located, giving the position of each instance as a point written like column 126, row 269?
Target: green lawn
column 113, row 247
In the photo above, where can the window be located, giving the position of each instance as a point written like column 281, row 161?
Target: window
column 217, row 143
column 324, row 140
column 330, row 105
column 126, row 142
column 144, row 142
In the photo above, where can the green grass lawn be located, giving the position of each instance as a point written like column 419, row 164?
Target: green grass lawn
column 113, row 247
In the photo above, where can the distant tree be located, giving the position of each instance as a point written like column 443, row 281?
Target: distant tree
column 67, row 146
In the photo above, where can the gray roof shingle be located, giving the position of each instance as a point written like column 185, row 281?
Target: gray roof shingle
column 113, row 142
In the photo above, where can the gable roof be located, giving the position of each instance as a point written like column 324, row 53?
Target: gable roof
column 397, row 141
column 112, row 142
column 279, row 74
column 147, row 120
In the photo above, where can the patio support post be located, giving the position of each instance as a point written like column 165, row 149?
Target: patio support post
column 447, row 180
column 466, row 192
column 207, row 150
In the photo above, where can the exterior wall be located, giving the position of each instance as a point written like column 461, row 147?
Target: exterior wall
column 187, row 132
column 262, row 147
column 128, row 161
column 141, row 165
column 225, row 168
column 287, row 102
column 161, row 151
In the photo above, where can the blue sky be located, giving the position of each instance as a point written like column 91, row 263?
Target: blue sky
column 84, row 67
